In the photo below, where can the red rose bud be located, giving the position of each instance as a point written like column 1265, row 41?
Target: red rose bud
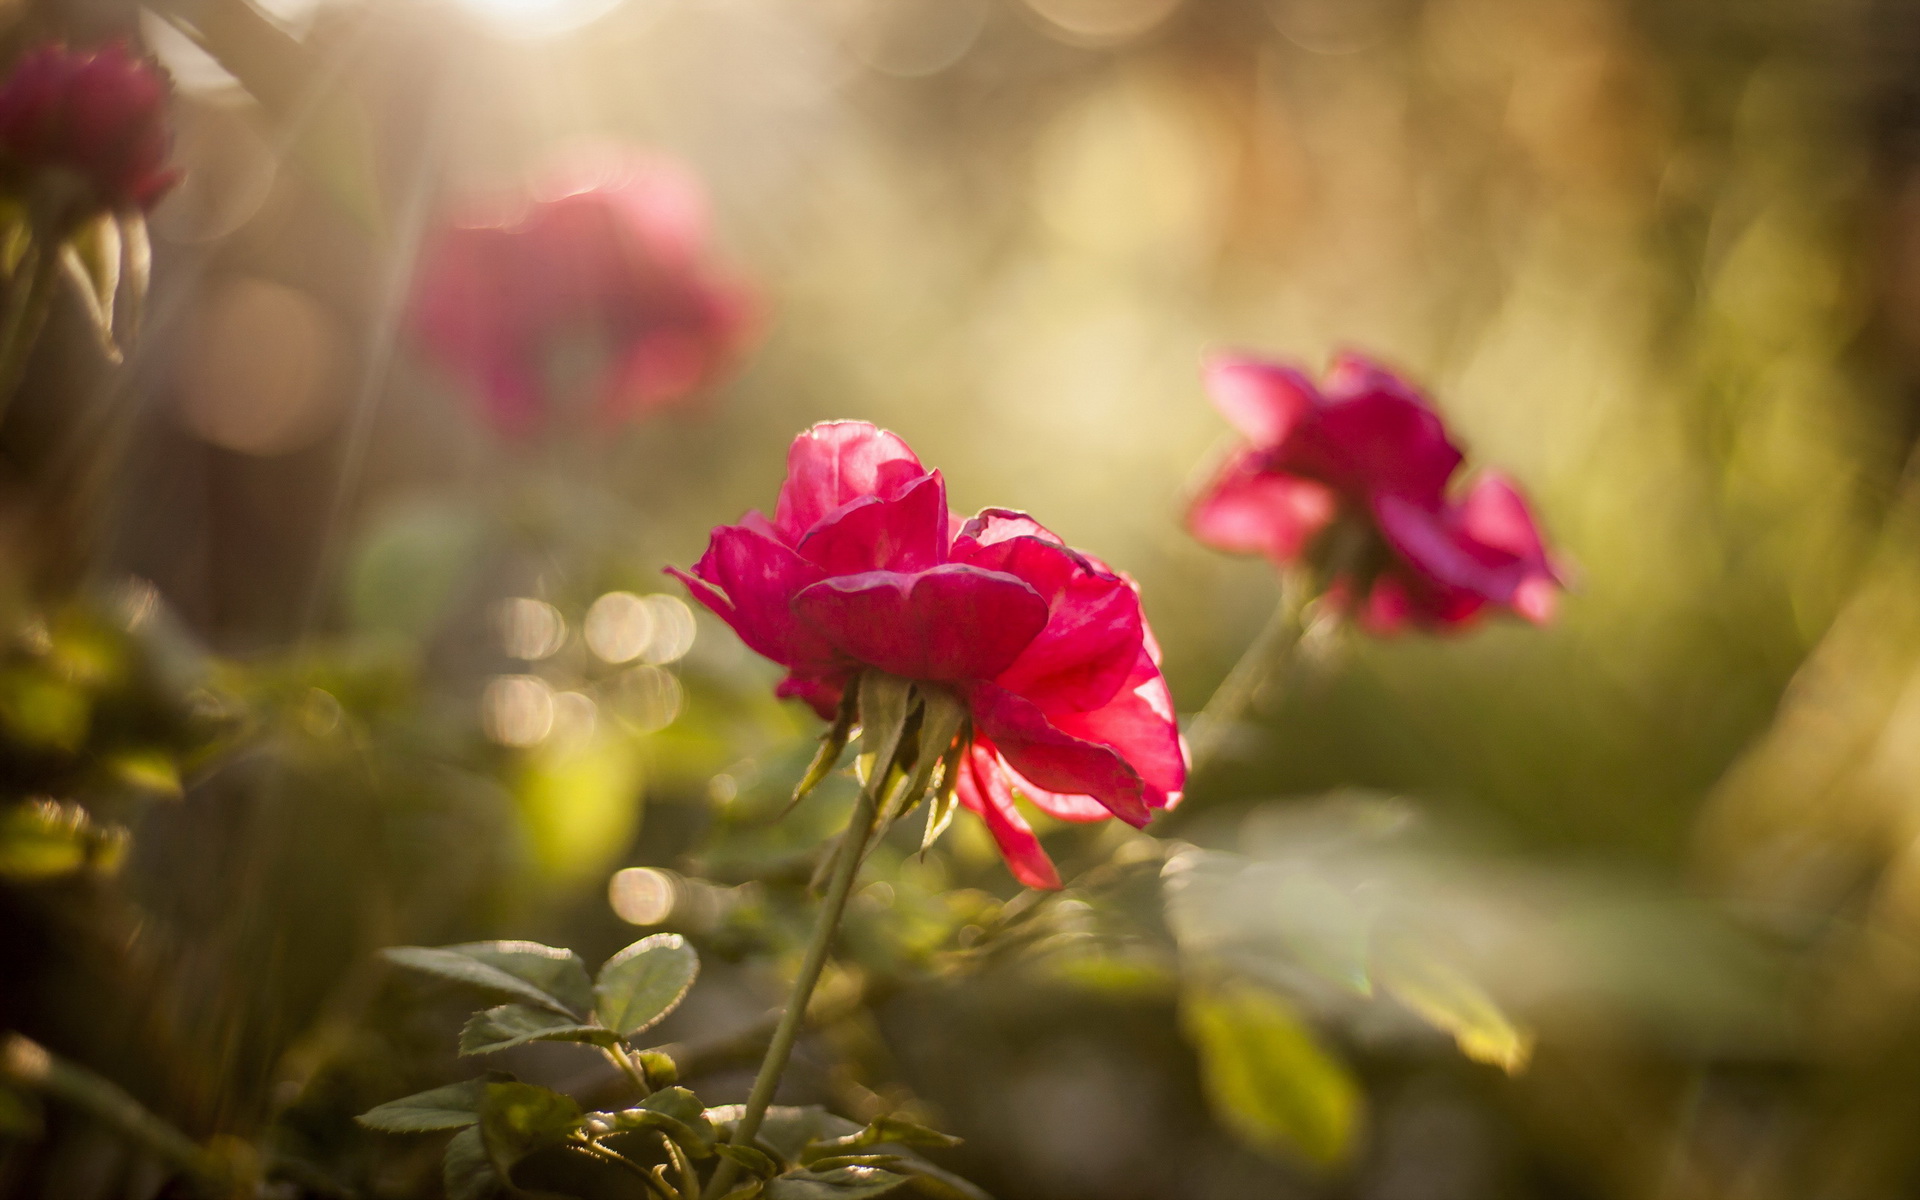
column 99, row 115
column 1365, row 451
column 862, row 567
column 609, row 258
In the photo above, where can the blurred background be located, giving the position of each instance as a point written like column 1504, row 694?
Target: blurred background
column 1624, row 907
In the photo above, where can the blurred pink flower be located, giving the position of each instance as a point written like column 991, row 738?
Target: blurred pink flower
column 862, row 566
column 99, row 115
column 610, row 260
column 1366, row 452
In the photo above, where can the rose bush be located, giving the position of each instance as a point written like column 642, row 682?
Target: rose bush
column 862, row 568
column 609, row 255
column 1366, row 453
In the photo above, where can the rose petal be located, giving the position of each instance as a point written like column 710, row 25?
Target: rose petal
column 1263, row 400
column 993, row 525
column 1495, row 514
column 1436, row 546
column 1246, row 510
column 1060, row 805
column 1055, row 760
column 1379, row 442
column 821, row 693
column 982, row 788
column 954, row 623
column 903, row 532
column 749, row 581
column 1093, row 629
column 835, row 463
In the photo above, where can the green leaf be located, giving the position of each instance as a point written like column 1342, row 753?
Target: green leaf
column 1451, row 1001
column 841, row 1183
column 527, row 971
column 755, row 1161
column 518, row 1118
column 674, row 1111
column 929, row 1180
column 517, row 1024
column 147, row 770
column 658, row 1066
column 136, row 272
column 786, row 1129
column 1267, row 1078
column 45, row 713
column 90, row 259
column 405, row 572
column 643, row 983
column 835, row 1161
column 884, row 707
column 941, row 715
column 466, row 1173
column 452, row 1107
column 943, row 802
column 832, row 743
column 41, row 839
column 882, row 1131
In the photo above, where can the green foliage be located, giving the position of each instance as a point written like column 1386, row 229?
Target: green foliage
column 408, row 567
column 526, row 971
column 883, row 1130
column 518, row 1118
column 1448, row 998
column 803, row 1154
column 841, row 1183
column 454, row 1106
column 676, row 1112
column 467, row 1172
column 40, row 839
column 1266, row 1076
column 510, row 1025
column 639, row 986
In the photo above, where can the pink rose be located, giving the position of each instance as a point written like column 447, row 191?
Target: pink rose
column 100, row 115
column 1365, row 452
column 863, row 567
column 611, row 261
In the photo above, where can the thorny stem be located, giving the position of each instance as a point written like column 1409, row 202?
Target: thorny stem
column 846, row 865
column 689, row 1178
column 609, row 1154
column 24, row 1061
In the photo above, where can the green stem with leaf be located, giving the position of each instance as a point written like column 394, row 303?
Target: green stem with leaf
column 846, row 865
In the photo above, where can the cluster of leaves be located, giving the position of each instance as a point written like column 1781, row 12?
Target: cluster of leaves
column 505, row 1130
column 98, row 714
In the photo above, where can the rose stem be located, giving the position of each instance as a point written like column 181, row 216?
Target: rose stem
column 846, row 865
column 1275, row 643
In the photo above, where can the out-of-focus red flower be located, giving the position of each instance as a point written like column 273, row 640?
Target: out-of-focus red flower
column 608, row 260
column 862, row 567
column 1365, row 453
column 100, row 115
